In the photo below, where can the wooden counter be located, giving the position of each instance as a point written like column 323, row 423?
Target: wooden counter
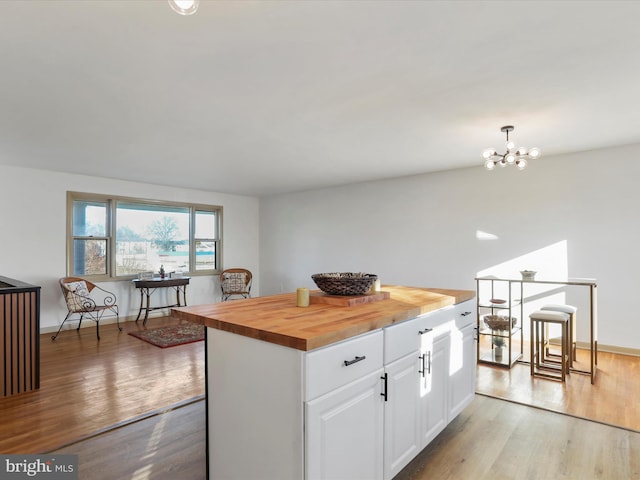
column 276, row 319
column 19, row 337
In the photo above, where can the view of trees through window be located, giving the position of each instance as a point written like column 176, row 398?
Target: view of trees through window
column 146, row 236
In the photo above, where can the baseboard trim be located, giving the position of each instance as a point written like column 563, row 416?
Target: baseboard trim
column 634, row 352
column 88, row 323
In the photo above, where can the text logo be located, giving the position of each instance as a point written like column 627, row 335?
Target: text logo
column 50, row 467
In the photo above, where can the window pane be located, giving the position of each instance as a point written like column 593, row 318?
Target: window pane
column 205, row 255
column 148, row 236
column 206, row 225
column 113, row 237
column 90, row 257
column 89, row 219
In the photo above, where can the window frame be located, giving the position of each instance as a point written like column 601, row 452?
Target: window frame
column 111, row 202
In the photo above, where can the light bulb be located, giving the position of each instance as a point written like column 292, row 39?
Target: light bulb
column 510, row 146
column 184, row 7
column 521, row 164
column 511, row 158
column 502, row 163
column 534, row 152
column 489, row 152
column 521, row 151
column 489, row 164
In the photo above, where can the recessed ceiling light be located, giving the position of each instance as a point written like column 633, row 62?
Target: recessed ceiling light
column 184, row 7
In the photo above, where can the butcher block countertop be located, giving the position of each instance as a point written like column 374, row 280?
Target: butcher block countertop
column 277, row 319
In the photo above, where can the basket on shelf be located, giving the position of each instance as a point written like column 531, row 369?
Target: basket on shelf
column 345, row 283
column 499, row 322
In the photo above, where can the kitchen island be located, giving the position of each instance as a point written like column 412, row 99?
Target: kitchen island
column 331, row 391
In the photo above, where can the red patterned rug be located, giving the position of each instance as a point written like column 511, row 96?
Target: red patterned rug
column 172, row 335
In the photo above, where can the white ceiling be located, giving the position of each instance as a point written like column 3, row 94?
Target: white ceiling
column 262, row 97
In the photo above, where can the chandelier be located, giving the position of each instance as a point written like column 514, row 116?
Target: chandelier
column 512, row 156
column 184, row 7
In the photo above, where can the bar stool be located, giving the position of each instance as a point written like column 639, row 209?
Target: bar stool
column 571, row 311
column 541, row 365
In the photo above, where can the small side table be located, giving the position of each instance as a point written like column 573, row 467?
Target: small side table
column 147, row 287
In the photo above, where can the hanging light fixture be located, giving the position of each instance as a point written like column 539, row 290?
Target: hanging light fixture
column 184, row 7
column 512, row 156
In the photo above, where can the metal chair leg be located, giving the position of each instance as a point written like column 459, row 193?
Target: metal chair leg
column 53, row 337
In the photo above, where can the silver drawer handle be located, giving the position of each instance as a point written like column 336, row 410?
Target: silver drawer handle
column 351, row 362
column 426, row 330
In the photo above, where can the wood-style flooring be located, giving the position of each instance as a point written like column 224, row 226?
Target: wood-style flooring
column 612, row 399
column 87, row 386
column 491, row 439
column 169, row 445
column 134, row 411
column 499, row 440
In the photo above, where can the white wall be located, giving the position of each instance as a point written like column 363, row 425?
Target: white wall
column 573, row 215
column 33, row 235
column 417, row 231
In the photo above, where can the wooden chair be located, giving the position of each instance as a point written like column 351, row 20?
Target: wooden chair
column 87, row 299
column 235, row 281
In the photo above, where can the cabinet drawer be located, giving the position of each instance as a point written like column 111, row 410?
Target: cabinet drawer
column 406, row 337
column 464, row 314
column 331, row 367
column 401, row 339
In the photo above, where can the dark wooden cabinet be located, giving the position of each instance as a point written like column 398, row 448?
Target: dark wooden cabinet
column 19, row 337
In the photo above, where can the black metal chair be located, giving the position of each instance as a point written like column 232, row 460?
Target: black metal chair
column 87, row 299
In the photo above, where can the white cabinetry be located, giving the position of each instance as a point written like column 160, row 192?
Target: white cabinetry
column 401, row 414
column 462, row 378
column 344, row 410
column 402, row 405
column 361, row 408
column 434, row 355
column 255, row 409
column 344, row 432
column 447, row 384
column 424, row 396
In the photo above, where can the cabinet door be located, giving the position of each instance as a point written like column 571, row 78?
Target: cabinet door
column 434, row 385
column 462, row 370
column 344, row 435
column 402, row 414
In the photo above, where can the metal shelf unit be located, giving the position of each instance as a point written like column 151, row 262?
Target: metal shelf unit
column 512, row 307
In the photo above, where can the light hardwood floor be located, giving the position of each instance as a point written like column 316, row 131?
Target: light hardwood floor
column 612, row 399
column 498, row 440
column 89, row 387
column 491, row 439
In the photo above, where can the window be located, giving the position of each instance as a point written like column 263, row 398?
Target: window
column 115, row 237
